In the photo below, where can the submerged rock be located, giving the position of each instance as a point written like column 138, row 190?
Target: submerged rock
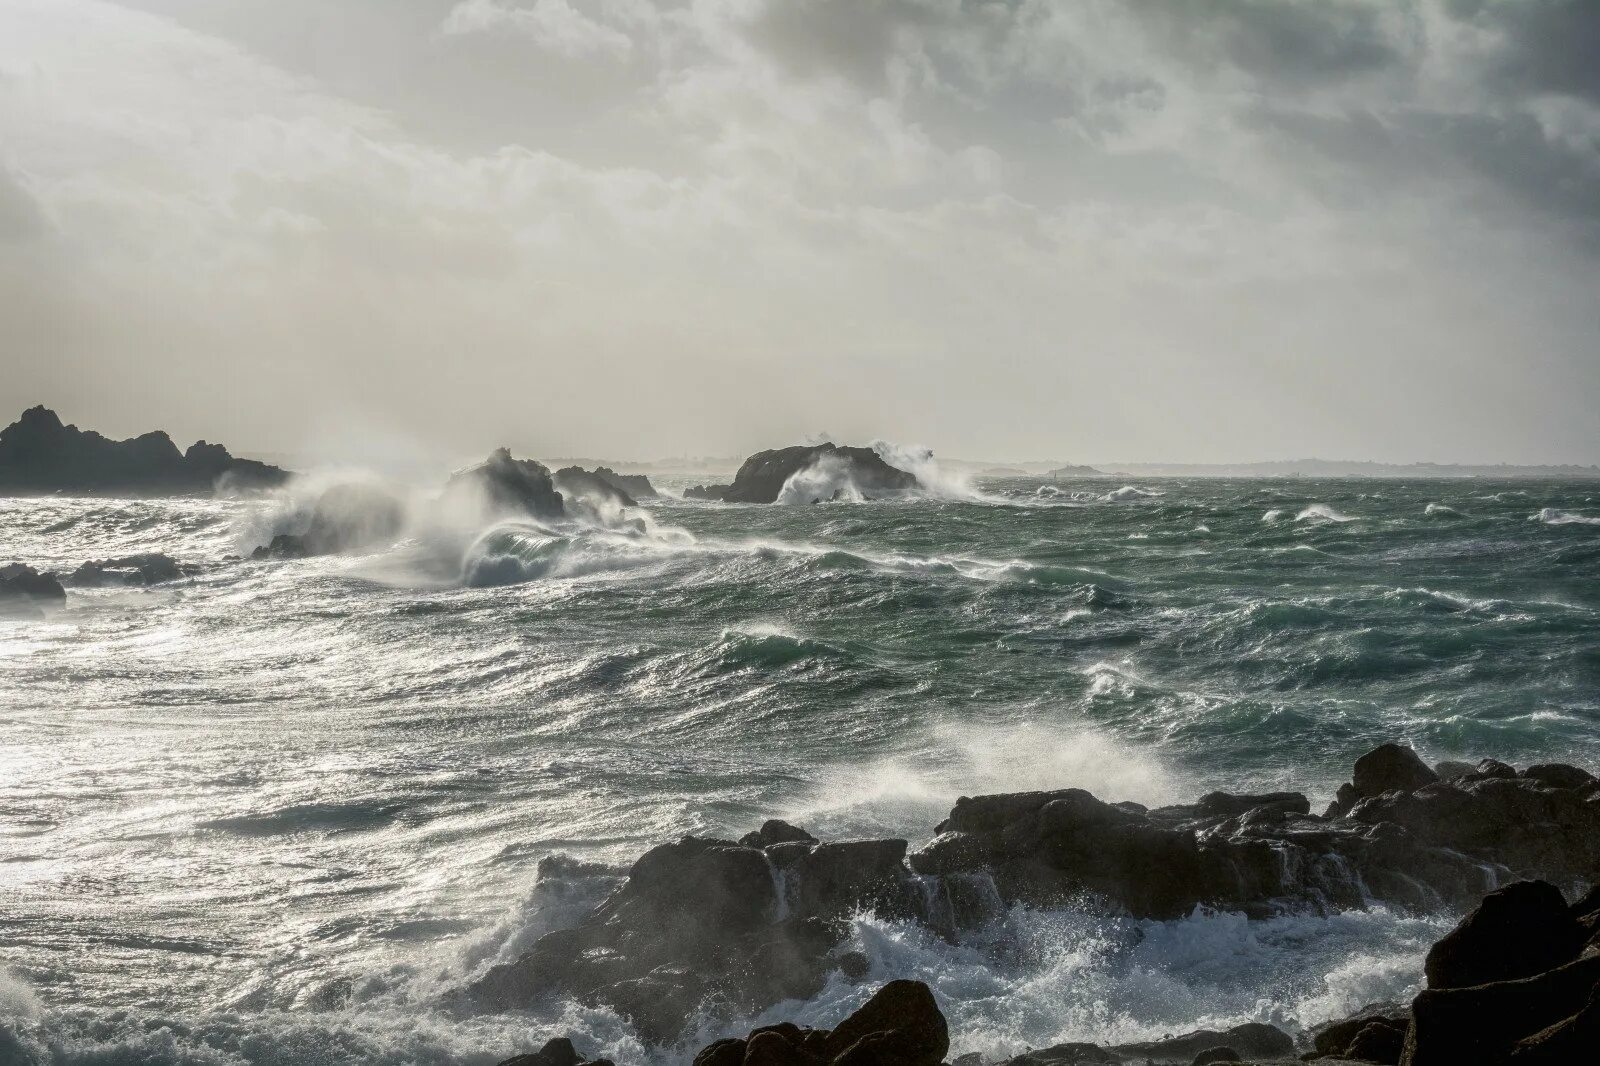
column 762, row 477
column 26, row 592
column 38, row 453
column 148, row 568
column 351, row 517
column 506, row 486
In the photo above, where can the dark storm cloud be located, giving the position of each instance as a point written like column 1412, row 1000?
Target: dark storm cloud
column 1546, row 45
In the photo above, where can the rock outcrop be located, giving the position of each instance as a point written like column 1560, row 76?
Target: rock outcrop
column 38, row 453
column 762, row 477
column 351, row 517
column 713, row 925
column 26, row 592
column 128, row 571
column 1515, row 983
column 636, row 485
column 503, row 486
column 576, row 481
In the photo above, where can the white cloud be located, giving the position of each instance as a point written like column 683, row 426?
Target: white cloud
column 1090, row 230
column 553, row 24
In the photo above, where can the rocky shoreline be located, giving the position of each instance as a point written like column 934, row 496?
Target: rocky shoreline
column 712, row 927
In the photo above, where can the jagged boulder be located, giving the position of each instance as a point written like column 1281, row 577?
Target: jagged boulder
column 900, row 1025
column 762, row 477
column 1517, row 931
column 557, row 1052
column 147, row 568
column 27, row 592
column 501, row 485
column 39, row 453
column 703, row 924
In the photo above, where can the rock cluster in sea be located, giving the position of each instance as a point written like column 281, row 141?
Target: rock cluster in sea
column 706, row 925
column 38, row 453
column 1515, row 983
column 762, row 476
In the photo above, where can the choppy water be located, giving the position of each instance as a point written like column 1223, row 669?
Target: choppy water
column 273, row 814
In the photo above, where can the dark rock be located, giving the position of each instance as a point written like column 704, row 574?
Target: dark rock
column 770, row 1047
column 1571, row 1040
column 1334, row 1038
column 1517, row 931
column 574, row 481
column 1559, row 775
column 1389, row 767
column 501, row 485
column 1484, row 1024
column 25, row 591
column 906, row 1009
column 776, row 831
column 345, row 518
column 721, row 1053
column 1447, row 769
column 1252, row 1040
column 1216, row 1054
column 149, row 568
column 763, row 475
column 1378, row 1041
column 40, row 454
column 636, row 485
column 1226, row 805
column 557, row 1052
column 706, row 492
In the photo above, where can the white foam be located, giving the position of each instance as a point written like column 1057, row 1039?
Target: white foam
column 1552, row 517
column 1321, row 512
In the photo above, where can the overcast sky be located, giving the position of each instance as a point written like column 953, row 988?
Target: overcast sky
column 1130, row 229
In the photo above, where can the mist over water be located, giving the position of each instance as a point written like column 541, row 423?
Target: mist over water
column 281, row 811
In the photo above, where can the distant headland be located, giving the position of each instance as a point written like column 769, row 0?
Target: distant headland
column 39, row 453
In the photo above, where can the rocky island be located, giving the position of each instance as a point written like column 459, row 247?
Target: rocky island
column 39, row 454
column 762, row 477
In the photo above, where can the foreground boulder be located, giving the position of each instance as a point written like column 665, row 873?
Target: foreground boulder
column 502, row 486
column 26, row 592
column 901, row 1025
column 128, row 571
column 557, row 1052
column 763, row 476
column 1513, row 1017
column 38, row 453
column 713, row 925
column 352, row 517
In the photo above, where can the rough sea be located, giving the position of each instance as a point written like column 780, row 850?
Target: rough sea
column 279, row 812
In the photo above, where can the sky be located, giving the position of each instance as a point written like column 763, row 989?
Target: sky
column 1004, row 229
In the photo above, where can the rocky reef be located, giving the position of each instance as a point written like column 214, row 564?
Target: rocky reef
column 128, row 571
column 26, row 593
column 348, row 517
column 38, row 453
column 762, row 476
column 576, row 481
column 501, row 485
column 723, row 926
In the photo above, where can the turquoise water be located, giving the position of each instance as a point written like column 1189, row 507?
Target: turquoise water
column 289, row 806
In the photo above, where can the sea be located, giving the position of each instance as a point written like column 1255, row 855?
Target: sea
column 281, row 812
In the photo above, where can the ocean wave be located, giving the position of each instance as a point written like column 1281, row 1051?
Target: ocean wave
column 1321, row 512
column 1441, row 510
column 1550, row 516
column 1129, row 494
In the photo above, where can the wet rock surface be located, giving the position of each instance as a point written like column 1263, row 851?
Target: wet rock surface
column 128, row 571
column 26, row 592
column 39, row 453
column 762, row 476
column 706, row 926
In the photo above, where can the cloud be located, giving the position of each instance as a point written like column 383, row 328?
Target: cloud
column 1100, row 229
column 552, row 24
